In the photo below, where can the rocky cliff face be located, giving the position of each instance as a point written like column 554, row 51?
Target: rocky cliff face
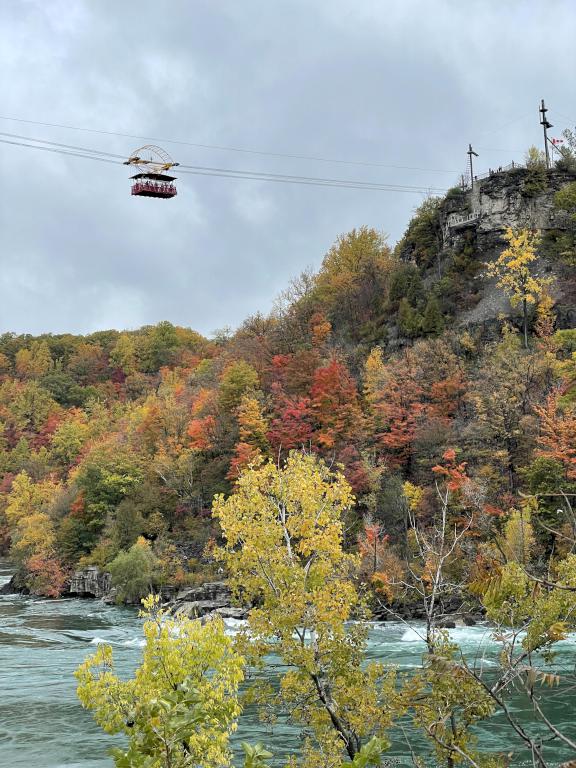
column 514, row 198
column 506, row 199
column 90, row 582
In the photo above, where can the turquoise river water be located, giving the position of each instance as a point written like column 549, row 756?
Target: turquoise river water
column 43, row 726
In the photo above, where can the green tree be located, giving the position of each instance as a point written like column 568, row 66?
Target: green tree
column 433, row 321
column 238, row 378
column 409, row 320
column 422, row 240
column 536, row 180
column 133, row 572
column 565, row 199
column 123, row 354
column 108, row 474
column 69, row 438
column 160, row 346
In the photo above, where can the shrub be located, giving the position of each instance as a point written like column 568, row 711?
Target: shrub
column 133, row 572
column 454, row 193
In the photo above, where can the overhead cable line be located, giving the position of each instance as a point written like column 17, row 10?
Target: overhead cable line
column 318, row 183
column 491, row 131
column 223, row 148
column 62, row 151
column 570, row 119
column 103, row 156
column 64, row 146
column 287, row 177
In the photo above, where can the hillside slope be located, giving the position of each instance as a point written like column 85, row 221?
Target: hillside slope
column 388, row 363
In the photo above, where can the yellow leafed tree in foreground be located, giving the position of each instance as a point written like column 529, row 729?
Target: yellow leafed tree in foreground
column 283, row 531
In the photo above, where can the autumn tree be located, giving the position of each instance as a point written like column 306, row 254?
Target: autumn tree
column 181, row 707
column 282, row 529
column 515, row 274
column 394, row 396
column 33, row 362
column 352, row 282
column 291, row 427
column 32, row 533
column 334, row 404
column 506, row 388
column 88, row 364
column 252, row 432
column 557, row 439
column 531, row 614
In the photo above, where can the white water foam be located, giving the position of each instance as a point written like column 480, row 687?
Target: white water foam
column 411, row 635
column 135, row 642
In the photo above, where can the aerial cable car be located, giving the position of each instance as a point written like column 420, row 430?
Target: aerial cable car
column 152, row 180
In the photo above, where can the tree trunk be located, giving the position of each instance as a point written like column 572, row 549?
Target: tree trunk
column 525, row 313
column 351, row 741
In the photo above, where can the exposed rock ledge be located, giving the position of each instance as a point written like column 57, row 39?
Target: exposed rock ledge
column 89, row 582
column 209, row 599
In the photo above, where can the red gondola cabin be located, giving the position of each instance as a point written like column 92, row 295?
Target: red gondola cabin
column 154, row 185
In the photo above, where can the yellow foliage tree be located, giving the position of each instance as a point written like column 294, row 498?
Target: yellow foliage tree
column 283, row 548
column 32, row 532
column 253, row 426
column 181, row 706
column 513, row 268
column 26, row 513
column 34, row 362
column 519, row 540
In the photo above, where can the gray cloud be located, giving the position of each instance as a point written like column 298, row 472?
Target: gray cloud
column 396, row 82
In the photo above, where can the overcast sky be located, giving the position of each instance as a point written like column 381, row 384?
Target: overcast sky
column 385, row 82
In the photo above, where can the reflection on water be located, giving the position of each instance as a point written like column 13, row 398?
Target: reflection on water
column 43, row 641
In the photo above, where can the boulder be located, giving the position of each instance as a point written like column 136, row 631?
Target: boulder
column 196, row 608
column 447, row 625
column 210, row 599
column 211, row 590
column 16, row 586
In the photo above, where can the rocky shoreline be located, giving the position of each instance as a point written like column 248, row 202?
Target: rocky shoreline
column 214, row 598
column 209, row 599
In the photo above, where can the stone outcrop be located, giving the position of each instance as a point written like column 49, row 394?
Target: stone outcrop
column 211, row 598
column 502, row 201
column 16, row 586
column 479, row 218
column 90, row 582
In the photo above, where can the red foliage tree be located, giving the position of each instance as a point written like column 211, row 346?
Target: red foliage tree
column 334, row 403
column 557, row 438
column 292, row 426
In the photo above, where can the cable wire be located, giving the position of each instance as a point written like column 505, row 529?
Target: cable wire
column 224, row 148
column 65, row 146
column 109, row 157
column 61, row 151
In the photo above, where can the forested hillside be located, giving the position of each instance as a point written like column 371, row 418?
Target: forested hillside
column 112, row 445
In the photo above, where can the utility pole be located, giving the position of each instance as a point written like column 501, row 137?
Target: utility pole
column 470, row 153
column 545, row 125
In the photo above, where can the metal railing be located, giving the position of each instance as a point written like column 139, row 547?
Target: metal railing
column 458, row 220
column 513, row 166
